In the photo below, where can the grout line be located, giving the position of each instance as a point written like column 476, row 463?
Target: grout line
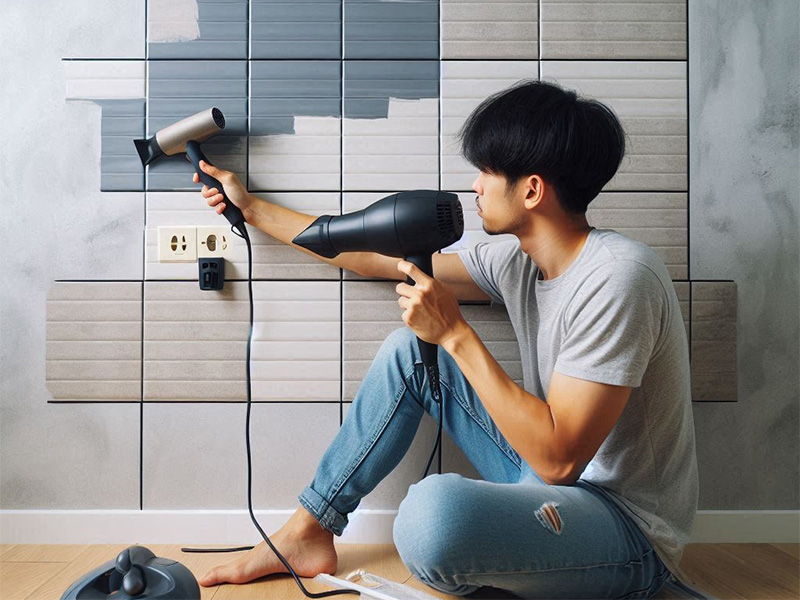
column 539, row 44
column 341, row 208
column 144, row 267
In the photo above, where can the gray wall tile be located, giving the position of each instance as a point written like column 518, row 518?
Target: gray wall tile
column 391, row 29
column 120, row 166
column 305, row 29
column 94, row 341
column 195, row 454
column 624, row 29
column 714, row 372
column 203, row 29
column 477, row 29
column 180, row 88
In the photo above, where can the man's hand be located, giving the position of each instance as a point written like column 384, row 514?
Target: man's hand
column 431, row 308
column 233, row 188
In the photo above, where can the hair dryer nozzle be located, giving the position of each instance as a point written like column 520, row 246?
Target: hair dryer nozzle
column 315, row 238
column 148, row 150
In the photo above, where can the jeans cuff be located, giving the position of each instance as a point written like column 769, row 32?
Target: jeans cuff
column 320, row 508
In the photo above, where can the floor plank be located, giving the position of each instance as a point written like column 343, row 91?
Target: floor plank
column 91, row 558
column 17, row 579
column 43, row 553
column 791, row 549
column 5, row 548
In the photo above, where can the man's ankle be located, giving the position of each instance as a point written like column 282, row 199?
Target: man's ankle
column 306, row 524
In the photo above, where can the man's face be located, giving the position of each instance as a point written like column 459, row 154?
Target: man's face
column 499, row 208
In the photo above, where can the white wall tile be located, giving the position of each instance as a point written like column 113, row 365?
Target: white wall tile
column 649, row 98
column 95, row 79
column 476, row 29
column 94, row 341
column 623, row 29
column 400, row 151
column 195, row 342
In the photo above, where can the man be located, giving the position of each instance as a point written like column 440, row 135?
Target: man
column 589, row 472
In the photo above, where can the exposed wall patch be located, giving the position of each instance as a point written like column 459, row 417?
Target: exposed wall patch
column 172, row 21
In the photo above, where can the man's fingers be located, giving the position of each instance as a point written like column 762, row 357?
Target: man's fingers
column 210, row 169
column 412, row 271
column 220, row 208
column 405, row 290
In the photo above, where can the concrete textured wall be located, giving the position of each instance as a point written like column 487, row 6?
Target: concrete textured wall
column 58, row 225
column 744, row 123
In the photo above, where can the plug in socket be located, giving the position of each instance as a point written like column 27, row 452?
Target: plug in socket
column 177, row 244
column 214, row 242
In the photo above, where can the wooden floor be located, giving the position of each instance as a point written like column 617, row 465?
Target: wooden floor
column 44, row 572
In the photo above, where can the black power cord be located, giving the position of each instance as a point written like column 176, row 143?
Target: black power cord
column 244, row 235
column 433, row 377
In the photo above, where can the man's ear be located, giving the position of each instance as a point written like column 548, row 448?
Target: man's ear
column 534, row 191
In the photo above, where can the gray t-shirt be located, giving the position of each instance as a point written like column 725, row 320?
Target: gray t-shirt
column 612, row 317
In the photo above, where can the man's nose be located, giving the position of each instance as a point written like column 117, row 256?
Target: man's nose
column 476, row 186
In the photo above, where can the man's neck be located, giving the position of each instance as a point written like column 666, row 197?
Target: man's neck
column 554, row 246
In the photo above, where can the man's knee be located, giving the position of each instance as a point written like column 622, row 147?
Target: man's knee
column 432, row 523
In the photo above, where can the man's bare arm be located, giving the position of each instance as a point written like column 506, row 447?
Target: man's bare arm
column 284, row 224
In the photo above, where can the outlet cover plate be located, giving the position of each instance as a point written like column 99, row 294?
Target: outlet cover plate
column 177, row 244
column 214, row 242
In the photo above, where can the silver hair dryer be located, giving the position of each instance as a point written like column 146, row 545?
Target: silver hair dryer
column 185, row 136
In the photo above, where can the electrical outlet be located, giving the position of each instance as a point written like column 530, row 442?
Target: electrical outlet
column 177, row 244
column 214, row 242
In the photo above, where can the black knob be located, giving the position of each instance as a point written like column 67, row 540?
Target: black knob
column 134, row 581
column 123, row 562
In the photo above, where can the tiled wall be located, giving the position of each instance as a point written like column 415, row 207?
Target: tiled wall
column 330, row 106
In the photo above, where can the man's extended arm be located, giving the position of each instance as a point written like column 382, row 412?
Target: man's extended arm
column 284, row 224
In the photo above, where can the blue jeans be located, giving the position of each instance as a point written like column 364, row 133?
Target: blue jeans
column 457, row 534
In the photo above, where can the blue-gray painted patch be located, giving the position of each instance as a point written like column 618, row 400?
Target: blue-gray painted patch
column 297, row 29
column 122, row 121
column 178, row 89
column 391, row 29
column 282, row 90
column 223, row 33
column 368, row 85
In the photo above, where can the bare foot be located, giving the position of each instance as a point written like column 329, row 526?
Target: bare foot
column 306, row 546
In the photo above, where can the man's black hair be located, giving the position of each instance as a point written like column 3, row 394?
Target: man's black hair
column 536, row 127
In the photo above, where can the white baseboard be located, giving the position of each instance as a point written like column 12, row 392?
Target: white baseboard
column 233, row 527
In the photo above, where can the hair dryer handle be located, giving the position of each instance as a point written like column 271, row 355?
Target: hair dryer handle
column 429, row 351
column 195, row 155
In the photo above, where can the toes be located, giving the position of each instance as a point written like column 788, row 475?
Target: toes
column 223, row 574
column 209, row 578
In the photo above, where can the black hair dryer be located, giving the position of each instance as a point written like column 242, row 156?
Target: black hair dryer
column 411, row 225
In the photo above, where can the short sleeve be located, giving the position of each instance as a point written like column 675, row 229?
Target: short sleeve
column 486, row 261
column 613, row 325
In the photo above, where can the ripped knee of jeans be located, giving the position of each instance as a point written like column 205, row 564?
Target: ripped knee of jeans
column 550, row 518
